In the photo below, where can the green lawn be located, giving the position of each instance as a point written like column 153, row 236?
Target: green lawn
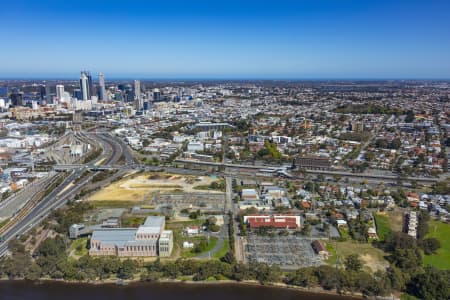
column 344, row 233
column 441, row 231
column 333, row 257
column 79, row 246
column 190, row 253
column 222, row 251
column 383, row 226
column 132, row 221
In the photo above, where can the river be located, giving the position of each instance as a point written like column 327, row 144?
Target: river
column 21, row 290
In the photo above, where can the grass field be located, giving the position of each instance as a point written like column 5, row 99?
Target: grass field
column 79, row 247
column 333, row 257
column 383, row 225
column 372, row 257
column 222, row 251
column 132, row 221
column 178, row 238
column 190, row 253
column 344, row 233
column 441, row 231
column 395, row 220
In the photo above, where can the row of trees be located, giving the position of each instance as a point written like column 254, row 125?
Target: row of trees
column 405, row 256
column 367, row 109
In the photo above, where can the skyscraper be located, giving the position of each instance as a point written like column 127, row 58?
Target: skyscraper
column 91, row 85
column 156, row 95
column 42, row 92
column 86, row 86
column 137, row 95
column 48, row 94
column 17, row 99
column 60, row 92
column 101, row 85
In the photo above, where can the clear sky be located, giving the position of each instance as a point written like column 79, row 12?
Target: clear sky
column 226, row 39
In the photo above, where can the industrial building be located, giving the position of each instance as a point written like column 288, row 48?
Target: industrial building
column 149, row 239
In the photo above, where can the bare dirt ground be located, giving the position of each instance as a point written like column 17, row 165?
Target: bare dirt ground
column 372, row 257
column 140, row 187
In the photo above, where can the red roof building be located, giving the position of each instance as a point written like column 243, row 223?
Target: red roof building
column 273, row 221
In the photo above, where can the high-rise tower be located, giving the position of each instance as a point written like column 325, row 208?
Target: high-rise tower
column 101, row 85
column 84, row 86
column 137, row 95
column 60, row 92
column 87, row 89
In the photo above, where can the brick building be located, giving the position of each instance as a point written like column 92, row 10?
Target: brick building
column 273, row 221
column 149, row 239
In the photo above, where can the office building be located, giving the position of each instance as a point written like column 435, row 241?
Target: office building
column 42, row 93
column 17, row 99
column 84, row 86
column 77, row 94
column 87, row 89
column 60, row 92
column 101, row 87
column 3, row 91
column 156, row 95
column 137, row 95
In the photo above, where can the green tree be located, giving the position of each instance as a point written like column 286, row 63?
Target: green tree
column 127, row 270
column 430, row 245
column 431, row 284
column 353, row 263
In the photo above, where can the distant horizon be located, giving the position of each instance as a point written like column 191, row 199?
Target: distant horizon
column 225, row 78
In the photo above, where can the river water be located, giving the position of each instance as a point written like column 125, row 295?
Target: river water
column 21, row 290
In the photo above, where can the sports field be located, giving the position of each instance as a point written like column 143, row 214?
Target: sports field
column 441, row 231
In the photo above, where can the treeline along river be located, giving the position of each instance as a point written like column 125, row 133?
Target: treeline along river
column 22, row 290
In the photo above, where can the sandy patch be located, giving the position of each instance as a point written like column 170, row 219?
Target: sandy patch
column 143, row 186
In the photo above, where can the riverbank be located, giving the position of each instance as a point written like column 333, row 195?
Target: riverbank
column 131, row 283
column 51, row 289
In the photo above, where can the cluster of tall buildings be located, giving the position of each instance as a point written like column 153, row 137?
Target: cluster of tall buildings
column 82, row 94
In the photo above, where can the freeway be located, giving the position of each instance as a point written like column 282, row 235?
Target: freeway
column 10, row 206
column 112, row 151
column 115, row 149
column 41, row 210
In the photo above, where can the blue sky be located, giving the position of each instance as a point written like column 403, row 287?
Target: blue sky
column 226, row 39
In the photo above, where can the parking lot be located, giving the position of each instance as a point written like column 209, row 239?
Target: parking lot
column 287, row 252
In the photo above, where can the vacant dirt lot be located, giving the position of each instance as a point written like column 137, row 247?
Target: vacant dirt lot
column 143, row 186
column 372, row 257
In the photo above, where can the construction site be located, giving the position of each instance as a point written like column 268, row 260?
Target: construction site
column 142, row 187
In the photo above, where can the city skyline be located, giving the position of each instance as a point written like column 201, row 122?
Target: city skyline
column 227, row 40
